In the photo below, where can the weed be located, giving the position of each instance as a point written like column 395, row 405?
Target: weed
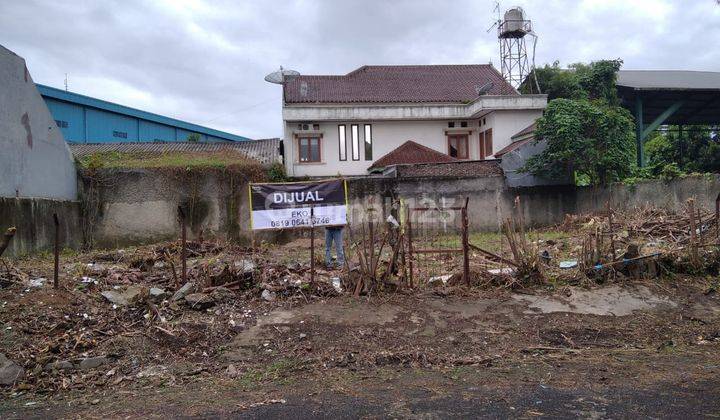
column 276, row 372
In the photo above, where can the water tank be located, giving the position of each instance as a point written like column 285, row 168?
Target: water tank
column 514, row 24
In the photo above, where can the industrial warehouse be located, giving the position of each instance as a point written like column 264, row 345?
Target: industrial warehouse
column 387, row 226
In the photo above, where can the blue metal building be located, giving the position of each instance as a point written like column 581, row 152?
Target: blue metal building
column 83, row 119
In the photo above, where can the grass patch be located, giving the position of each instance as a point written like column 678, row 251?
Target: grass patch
column 277, row 372
column 131, row 160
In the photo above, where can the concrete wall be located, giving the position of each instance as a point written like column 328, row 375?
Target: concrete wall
column 388, row 135
column 137, row 206
column 140, row 206
column 35, row 161
column 672, row 195
column 33, row 219
column 491, row 201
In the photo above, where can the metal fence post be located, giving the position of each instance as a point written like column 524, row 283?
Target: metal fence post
column 465, row 243
column 312, row 244
column 56, row 273
column 410, row 246
column 183, row 238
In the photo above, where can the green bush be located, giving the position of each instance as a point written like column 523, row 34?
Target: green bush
column 276, row 173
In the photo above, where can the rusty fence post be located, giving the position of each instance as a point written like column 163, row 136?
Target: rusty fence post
column 694, row 256
column 410, row 246
column 312, row 244
column 183, row 240
column 56, row 272
column 465, row 243
column 717, row 216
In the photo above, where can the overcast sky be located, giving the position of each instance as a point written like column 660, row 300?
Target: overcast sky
column 204, row 61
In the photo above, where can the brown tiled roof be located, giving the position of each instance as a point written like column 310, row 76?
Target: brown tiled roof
column 512, row 146
column 424, row 83
column 411, row 152
column 265, row 151
column 527, row 130
column 457, row 169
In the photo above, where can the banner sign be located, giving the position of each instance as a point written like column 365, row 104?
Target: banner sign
column 287, row 205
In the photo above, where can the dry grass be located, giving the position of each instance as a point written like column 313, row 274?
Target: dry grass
column 130, row 160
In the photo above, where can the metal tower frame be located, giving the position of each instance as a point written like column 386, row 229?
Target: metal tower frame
column 514, row 63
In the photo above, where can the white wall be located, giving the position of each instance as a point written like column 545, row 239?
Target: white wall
column 508, row 123
column 388, row 135
column 35, row 161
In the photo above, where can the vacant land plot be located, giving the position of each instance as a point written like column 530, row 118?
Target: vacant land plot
column 249, row 334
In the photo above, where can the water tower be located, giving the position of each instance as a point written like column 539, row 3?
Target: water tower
column 512, row 29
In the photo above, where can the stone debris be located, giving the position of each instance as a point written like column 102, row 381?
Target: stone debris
column 199, row 301
column 157, row 293
column 38, row 282
column 93, row 362
column 268, row 295
column 439, row 280
column 245, row 266
column 132, row 295
column 10, row 372
column 183, row 291
column 60, row 365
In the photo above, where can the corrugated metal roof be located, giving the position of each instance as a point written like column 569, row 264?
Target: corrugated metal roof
column 266, row 151
column 669, row 79
column 399, row 84
column 77, row 98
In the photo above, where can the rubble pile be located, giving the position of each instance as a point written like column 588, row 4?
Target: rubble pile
column 641, row 243
column 124, row 316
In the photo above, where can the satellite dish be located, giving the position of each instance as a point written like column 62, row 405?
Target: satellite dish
column 484, row 89
column 282, row 76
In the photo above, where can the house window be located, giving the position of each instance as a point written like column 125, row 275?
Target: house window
column 61, row 123
column 368, row 142
column 355, row 134
column 458, row 146
column 463, row 124
column 342, row 141
column 120, row 134
column 309, row 149
column 316, row 127
column 451, row 125
column 486, row 143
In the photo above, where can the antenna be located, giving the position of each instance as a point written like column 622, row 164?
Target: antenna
column 66, row 82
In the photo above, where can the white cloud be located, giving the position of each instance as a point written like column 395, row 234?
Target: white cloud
column 204, row 61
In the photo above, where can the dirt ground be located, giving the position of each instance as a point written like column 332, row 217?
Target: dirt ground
column 623, row 348
column 353, row 354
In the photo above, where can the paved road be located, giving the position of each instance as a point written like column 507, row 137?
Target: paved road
column 694, row 401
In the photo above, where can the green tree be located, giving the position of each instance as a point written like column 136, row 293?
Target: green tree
column 589, row 139
column 588, row 134
column 578, row 81
column 193, row 137
column 554, row 81
column 697, row 151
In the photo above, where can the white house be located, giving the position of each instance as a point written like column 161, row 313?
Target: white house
column 344, row 124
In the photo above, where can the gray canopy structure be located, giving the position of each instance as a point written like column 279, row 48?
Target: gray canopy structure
column 660, row 97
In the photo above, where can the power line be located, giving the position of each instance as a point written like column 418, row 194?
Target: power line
column 239, row 110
